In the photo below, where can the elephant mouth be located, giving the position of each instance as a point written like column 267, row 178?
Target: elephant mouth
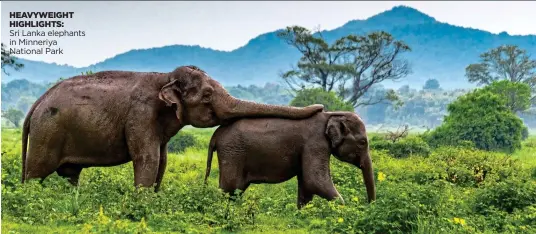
column 212, row 114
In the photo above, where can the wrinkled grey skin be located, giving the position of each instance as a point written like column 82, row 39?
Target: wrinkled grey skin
column 114, row 117
column 274, row 150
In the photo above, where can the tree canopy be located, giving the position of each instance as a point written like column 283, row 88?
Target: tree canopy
column 431, row 84
column 515, row 95
column 483, row 118
column 9, row 61
column 330, row 100
column 360, row 61
column 507, row 62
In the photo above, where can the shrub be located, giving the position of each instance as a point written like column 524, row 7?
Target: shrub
column 524, row 133
column 508, row 196
column 330, row 100
column 472, row 167
column 181, row 141
column 480, row 117
column 407, row 146
column 398, row 207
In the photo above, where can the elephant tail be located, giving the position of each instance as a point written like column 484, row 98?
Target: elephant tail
column 25, row 133
column 211, row 149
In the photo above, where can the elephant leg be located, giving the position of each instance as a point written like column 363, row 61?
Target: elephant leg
column 38, row 167
column 144, row 148
column 70, row 171
column 161, row 166
column 330, row 193
column 304, row 196
column 316, row 175
column 44, row 154
column 231, row 180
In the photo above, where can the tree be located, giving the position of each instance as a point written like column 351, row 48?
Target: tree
column 507, row 62
column 377, row 113
column 363, row 61
column 516, row 95
column 181, row 141
column 13, row 115
column 481, row 117
column 24, row 103
column 404, row 90
column 9, row 61
column 431, row 84
column 330, row 100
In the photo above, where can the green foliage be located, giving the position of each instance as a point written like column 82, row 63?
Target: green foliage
column 9, row 60
column 181, row 141
column 480, row 117
column 506, row 62
column 365, row 61
column 405, row 147
column 13, row 115
column 516, row 95
column 469, row 167
column 431, row 84
column 87, row 73
column 524, row 133
column 508, row 196
column 445, row 192
column 331, row 102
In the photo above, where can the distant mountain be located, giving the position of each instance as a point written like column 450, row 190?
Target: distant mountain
column 439, row 50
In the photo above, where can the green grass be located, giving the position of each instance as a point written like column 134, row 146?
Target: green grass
column 442, row 193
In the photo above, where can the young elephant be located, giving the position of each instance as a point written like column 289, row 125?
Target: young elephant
column 274, row 150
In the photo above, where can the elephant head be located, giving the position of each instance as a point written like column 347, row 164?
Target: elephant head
column 202, row 102
column 349, row 143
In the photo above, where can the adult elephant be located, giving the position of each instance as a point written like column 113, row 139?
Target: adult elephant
column 114, row 117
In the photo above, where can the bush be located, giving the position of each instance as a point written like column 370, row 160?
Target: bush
column 524, row 133
column 509, row 195
column 468, row 167
column 181, row 141
column 330, row 100
column 407, row 146
column 482, row 118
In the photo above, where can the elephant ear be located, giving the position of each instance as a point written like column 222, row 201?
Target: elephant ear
column 336, row 130
column 170, row 94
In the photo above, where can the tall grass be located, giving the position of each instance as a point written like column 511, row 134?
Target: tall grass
column 444, row 192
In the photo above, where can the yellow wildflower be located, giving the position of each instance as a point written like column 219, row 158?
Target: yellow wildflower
column 381, row 176
column 340, row 220
column 459, row 221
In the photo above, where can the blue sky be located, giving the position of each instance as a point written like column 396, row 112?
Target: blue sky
column 117, row 27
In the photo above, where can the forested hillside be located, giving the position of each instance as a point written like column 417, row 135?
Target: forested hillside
column 439, row 50
column 421, row 108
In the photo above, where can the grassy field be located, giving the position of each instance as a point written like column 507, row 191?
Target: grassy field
column 451, row 190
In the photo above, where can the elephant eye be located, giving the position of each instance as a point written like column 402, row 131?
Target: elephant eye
column 206, row 97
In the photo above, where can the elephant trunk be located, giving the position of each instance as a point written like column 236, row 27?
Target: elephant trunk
column 368, row 177
column 228, row 107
